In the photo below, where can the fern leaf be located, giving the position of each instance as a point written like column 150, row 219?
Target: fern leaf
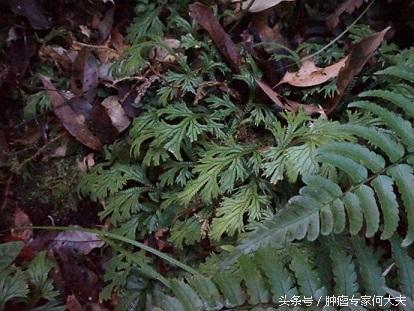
column 405, row 266
column 13, row 284
column 386, row 143
column 402, row 127
column 186, row 295
column 369, row 269
column 399, row 72
column 344, row 271
column 308, row 281
column 356, row 172
column 253, row 281
column 230, row 215
column 369, row 209
column 339, row 216
column 399, row 100
column 229, row 285
column 404, row 178
column 383, row 186
column 8, row 253
column 354, row 212
column 208, row 291
column 38, row 271
column 358, row 153
column 186, row 232
column 280, row 280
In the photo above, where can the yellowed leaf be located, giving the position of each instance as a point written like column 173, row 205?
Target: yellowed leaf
column 309, row 74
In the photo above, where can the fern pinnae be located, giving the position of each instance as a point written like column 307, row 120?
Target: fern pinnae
column 343, row 268
column 386, row 143
column 399, row 100
column 405, row 267
column 399, row 72
column 280, row 279
column 307, row 278
column 402, row 127
column 355, row 171
column 371, row 276
column 383, row 186
column 404, row 178
column 369, row 209
column 354, row 211
column 358, row 153
column 253, row 280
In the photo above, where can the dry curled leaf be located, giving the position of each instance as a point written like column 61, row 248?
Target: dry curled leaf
column 309, row 74
column 81, row 242
column 203, row 15
column 73, row 122
column 117, row 114
column 356, row 60
column 348, row 6
column 260, row 5
column 286, row 104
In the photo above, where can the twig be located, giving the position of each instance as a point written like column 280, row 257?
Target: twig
column 237, row 18
column 38, row 152
column 340, row 35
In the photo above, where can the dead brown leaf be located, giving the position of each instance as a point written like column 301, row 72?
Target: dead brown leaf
column 105, row 26
column 203, row 15
column 81, row 242
column 117, row 114
column 260, row 5
column 356, row 60
column 33, row 11
column 309, row 74
column 60, row 56
column 286, row 104
column 21, row 220
column 87, row 162
column 73, row 122
column 72, row 303
column 85, row 76
column 348, row 6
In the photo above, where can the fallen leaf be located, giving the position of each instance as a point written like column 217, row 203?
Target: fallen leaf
column 309, row 74
column 203, row 15
column 33, row 11
column 72, row 303
column 81, row 242
column 85, row 76
column 73, row 122
column 60, row 56
column 356, row 60
column 87, row 162
column 161, row 54
column 105, row 26
column 348, row 6
column 260, row 5
column 286, row 104
column 117, row 114
column 275, row 97
column 85, row 31
column 21, row 220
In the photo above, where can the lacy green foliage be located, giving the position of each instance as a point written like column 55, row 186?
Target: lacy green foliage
column 375, row 172
column 272, row 277
column 28, row 285
column 36, row 104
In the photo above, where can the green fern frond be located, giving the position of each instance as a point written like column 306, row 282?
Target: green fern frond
column 230, row 215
